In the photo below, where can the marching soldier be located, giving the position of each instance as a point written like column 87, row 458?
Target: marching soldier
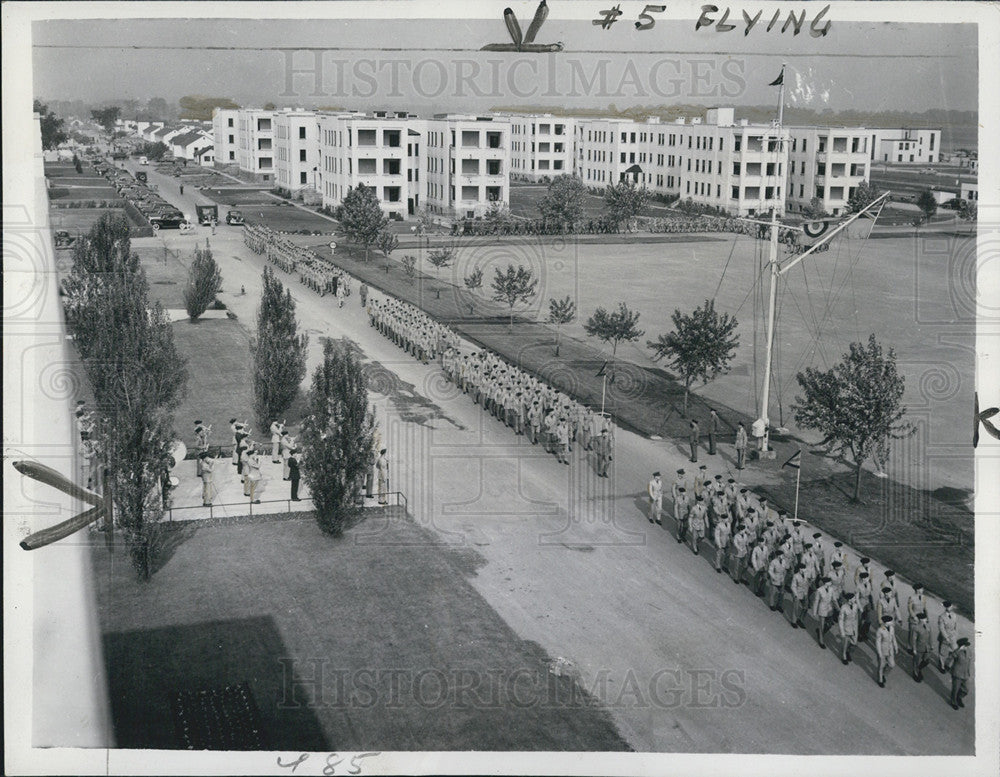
column 602, row 445
column 959, row 664
column 363, row 294
column 720, row 538
column 720, row 508
column 916, row 604
column 682, row 505
column 562, row 441
column 798, row 538
column 886, row 606
column 697, row 518
column 863, row 592
column 800, row 594
column 817, row 543
column 810, row 564
column 752, row 523
column 823, row 606
column 738, row 555
column 838, row 554
column 776, row 582
column 655, row 491
column 885, row 648
column 920, row 645
column 947, row 633
column 758, row 566
column 679, row 483
column 847, row 624
column 836, row 576
column 700, row 480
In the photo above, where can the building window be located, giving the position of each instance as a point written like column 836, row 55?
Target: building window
column 302, row 133
column 302, row 155
column 392, row 138
column 303, row 177
column 367, row 137
column 367, row 167
column 470, row 167
column 470, row 192
column 390, row 167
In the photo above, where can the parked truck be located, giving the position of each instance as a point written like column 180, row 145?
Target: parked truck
column 207, row 214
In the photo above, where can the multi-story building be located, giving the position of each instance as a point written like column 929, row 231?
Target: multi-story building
column 297, row 152
column 381, row 150
column 826, row 164
column 225, row 129
column 255, row 139
column 905, row 146
column 467, row 162
column 541, row 146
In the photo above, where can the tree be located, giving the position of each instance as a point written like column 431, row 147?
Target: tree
column 441, row 257
column 701, row 346
column 498, row 215
column 153, row 151
column 136, row 375
column 337, row 436
column 106, row 117
column 618, row 326
column 279, row 351
column 863, row 196
column 563, row 203
column 968, row 210
column 927, row 203
column 386, row 242
column 410, row 266
column 815, row 209
column 51, row 126
column 157, row 109
column 857, row 405
column 204, row 282
column 624, row 200
column 513, row 285
column 200, row 107
column 561, row 311
column 361, row 217
column 473, row 281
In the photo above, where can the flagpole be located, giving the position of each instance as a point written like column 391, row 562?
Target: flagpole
column 798, row 477
column 604, row 389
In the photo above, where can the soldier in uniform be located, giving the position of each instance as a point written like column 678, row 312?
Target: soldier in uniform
column 713, row 430
column 752, row 523
column 824, row 601
column 916, row 604
column 207, row 478
column 798, row 538
column 562, row 441
column 885, row 648
column 679, row 482
column 947, row 633
column 655, row 491
column 694, row 433
column 838, row 554
column 758, row 566
column 800, row 595
column 863, row 592
column 836, row 576
column 235, row 426
column 776, row 581
column 277, row 430
column 720, row 508
column 700, row 481
column 886, row 606
column 847, row 624
column 920, row 645
column 294, row 474
column 382, row 467
column 696, row 522
column 810, row 565
column 602, row 446
column 535, row 421
column 682, row 505
column 959, row 664
column 253, row 477
column 741, row 446
column 740, row 548
column 363, row 294
column 720, row 538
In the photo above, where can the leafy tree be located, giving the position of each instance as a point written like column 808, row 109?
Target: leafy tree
column 857, row 405
column 615, row 327
column 473, row 281
column 927, row 203
column 701, row 346
column 51, row 125
column 498, row 215
column 153, row 151
column 563, row 203
column 561, row 311
column 815, row 209
column 279, row 351
column 204, row 282
column 863, row 196
column 337, row 436
column 106, row 117
column 968, row 210
column 200, row 107
column 441, row 257
column 513, row 285
column 361, row 217
column 136, row 374
column 624, row 200
column 410, row 266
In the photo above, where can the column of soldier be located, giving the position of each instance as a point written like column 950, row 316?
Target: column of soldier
column 775, row 554
column 522, row 401
column 314, row 272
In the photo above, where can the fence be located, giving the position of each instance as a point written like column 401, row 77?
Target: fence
column 265, row 507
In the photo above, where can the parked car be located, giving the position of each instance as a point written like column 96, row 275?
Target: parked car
column 143, row 160
column 234, row 218
column 167, row 220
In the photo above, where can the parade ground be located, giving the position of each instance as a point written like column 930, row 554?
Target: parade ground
column 564, row 561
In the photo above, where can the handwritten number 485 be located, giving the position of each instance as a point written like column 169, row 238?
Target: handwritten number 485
column 333, row 760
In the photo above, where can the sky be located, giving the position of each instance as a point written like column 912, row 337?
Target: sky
column 435, row 65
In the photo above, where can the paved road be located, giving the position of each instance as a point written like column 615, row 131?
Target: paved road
column 686, row 660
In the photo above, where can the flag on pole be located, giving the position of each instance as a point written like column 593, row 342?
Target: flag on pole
column 795, row 460
column 780, row 79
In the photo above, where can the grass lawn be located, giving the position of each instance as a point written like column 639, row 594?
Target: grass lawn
column 524, row 200
column 925, row 531
column 408, row 655
column 288, row 218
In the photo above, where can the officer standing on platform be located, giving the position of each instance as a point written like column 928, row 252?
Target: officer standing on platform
column 294, row 474
column 207, row 478
column 655, row 491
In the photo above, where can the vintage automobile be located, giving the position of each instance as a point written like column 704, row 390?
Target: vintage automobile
column 234, row 218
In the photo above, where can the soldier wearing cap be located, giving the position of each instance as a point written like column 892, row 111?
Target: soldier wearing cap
column 694, row 433
column 752, row 523
column 655, row 491
column 720, row 537
column 800, row 594
column 741, row 446
column 759, row 552
column 732, row 493
column 916, row 604
column 817, row 543
column 886, row 605
column 847, row 623
column 200, row 437
column 838, row 554
column 742, row 505
column 947, row 633
column 739, row 550
column 776, row 581
column 863, row 591
column 960, row 665
column 885, row 648
column 700, row 480
column 697, row 518
column 798, row 538
column 920, row 644
column 824, row 601
column 719, row 508
column 837, row 576
column 679, row 482
column 809, row 562
column 890, row 583
column 602, row 446
column 682, row 505
column 207, row 477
